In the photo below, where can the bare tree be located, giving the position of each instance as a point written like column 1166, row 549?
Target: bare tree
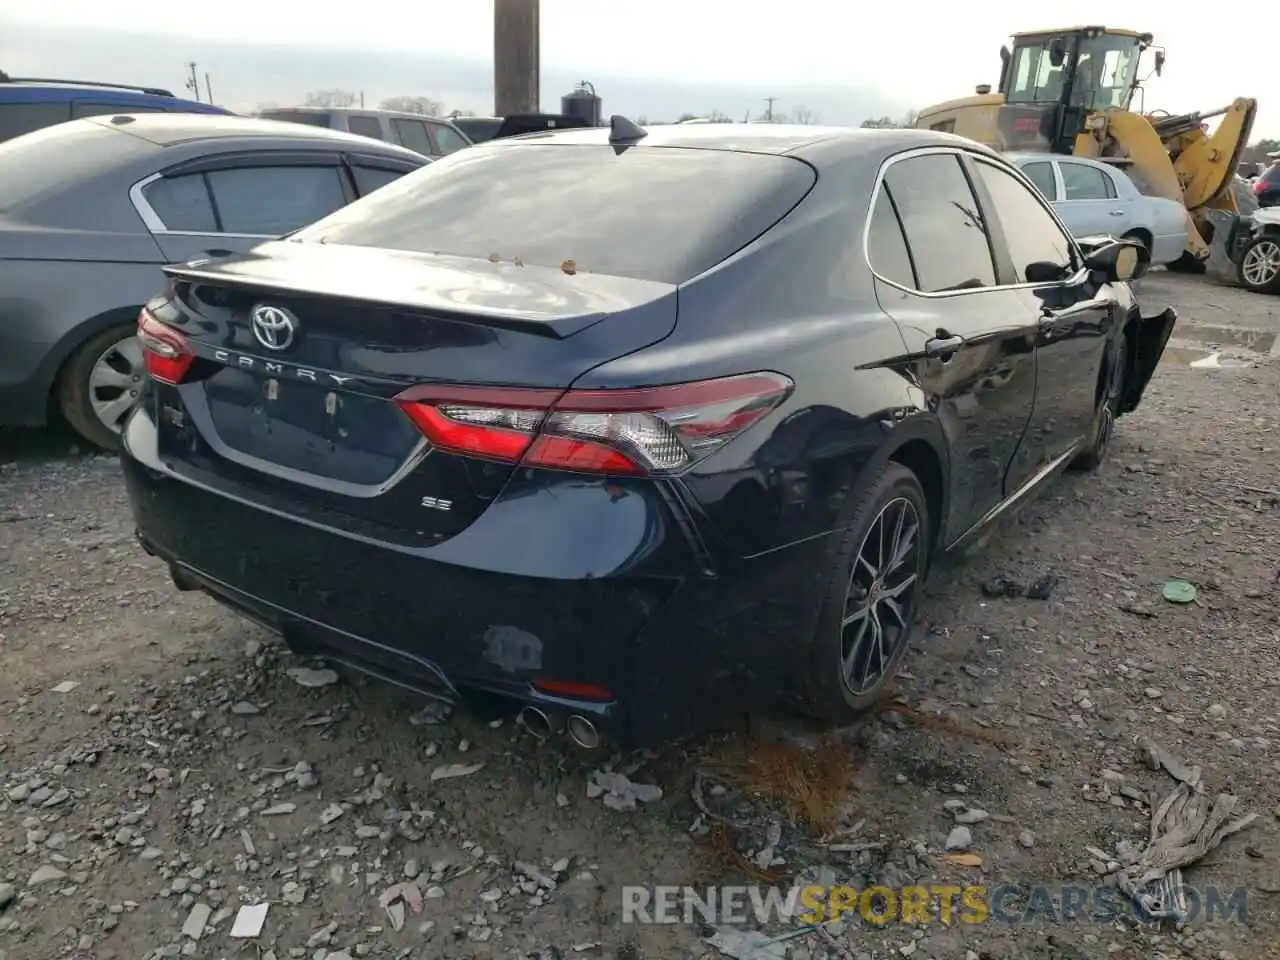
column 330, row 98
column 910, row 119
column 804, row 116
column 719, row 116
column 686, row 116
column 888, row 123
column 423, row 105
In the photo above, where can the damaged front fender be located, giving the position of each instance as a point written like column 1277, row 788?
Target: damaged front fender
column 1146, row 339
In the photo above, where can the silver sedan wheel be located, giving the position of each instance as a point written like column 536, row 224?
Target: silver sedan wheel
column 114, row 382
column 1261, row 264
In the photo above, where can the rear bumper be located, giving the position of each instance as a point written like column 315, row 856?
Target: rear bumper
column 661, row 634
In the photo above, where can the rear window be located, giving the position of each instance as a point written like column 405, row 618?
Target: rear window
column 61, row 157
column 311, row 118
column 657, row 213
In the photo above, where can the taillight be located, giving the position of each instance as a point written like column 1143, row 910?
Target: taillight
column 649, row 430
column 1259, row 184
column 164, row 349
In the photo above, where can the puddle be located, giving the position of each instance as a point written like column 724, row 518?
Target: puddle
column 1214, row 348
column 1201, row 357
column 1253, row 341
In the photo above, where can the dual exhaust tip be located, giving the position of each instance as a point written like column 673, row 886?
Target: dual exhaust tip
column 580, row 729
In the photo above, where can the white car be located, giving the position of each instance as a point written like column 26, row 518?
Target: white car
column 1095, row 198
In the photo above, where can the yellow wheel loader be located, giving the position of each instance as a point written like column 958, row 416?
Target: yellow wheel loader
column 1070, row 91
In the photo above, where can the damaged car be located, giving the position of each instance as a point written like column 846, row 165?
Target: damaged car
column 1255, row 250
column 628, row 425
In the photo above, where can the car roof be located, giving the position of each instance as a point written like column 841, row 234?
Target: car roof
column 170, row 129
column 799, row 140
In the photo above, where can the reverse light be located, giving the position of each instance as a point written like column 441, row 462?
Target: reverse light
column 164, row 349
column 644, row 431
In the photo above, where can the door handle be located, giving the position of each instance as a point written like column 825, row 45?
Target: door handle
column 1117, row 213
column 943, row 346
column 219, row 252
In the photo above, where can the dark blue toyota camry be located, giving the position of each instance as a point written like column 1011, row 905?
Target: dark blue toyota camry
column 630, row 424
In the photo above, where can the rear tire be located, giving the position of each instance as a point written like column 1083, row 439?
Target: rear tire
column 99, row 384
column 877, row 570
column 1104, row 418
column 1259, row 266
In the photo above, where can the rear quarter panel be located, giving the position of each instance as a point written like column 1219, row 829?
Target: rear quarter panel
column 799, row 302
column 47, row 309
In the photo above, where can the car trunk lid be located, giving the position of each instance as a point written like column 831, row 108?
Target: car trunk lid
column 301, row 349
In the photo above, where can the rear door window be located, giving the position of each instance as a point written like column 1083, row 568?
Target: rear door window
column 448, row 140
column 19, row 118
column 269, row 201
column 651, row 213
column 1041, row 174
column 413, row 135
column 365, row 126
column 369, row 179
column 943, row 223
column 1081, row 182
column 254, row 201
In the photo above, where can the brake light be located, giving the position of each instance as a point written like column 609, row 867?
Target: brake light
column 1260, row 184
column 645, row 431
column 164, row 349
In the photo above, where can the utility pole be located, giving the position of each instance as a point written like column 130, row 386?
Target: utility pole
column 208, row 89
column 361, row 99
column 516, row 68
column 768, row 113
column 193, row 81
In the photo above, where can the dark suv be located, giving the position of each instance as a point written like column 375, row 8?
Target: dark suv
column 1267, row 186
column 28, row 104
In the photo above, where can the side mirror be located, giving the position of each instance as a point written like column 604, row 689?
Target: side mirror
column 1159, row 62
column 1118, row 261
column 1057, row 52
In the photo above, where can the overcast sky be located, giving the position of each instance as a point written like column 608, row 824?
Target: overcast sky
column 849, row 59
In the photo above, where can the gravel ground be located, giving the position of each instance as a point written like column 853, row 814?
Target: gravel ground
column 161, row 765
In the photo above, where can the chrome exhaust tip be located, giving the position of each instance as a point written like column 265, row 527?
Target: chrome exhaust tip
column 583, row 732
column 536, row 722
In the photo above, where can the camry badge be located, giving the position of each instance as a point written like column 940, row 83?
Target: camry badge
column 273, row 327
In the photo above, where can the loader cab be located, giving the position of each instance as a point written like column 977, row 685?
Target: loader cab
column 1053, row 80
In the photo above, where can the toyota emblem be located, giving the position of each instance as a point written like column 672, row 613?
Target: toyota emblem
column 273, row 327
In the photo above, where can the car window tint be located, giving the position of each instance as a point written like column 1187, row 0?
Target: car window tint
column 269, row 201
column 546, row 204
column 19, row 118
column 1033, row 236
column 448, row 139
column 312, row 118
column 182, row 203
column 1085, row 183
column 413, row 134
column 369, row 179
column 365, row 126
column 102, row 108
column 1041, row 174
column 942, row 222
column 886, row 246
